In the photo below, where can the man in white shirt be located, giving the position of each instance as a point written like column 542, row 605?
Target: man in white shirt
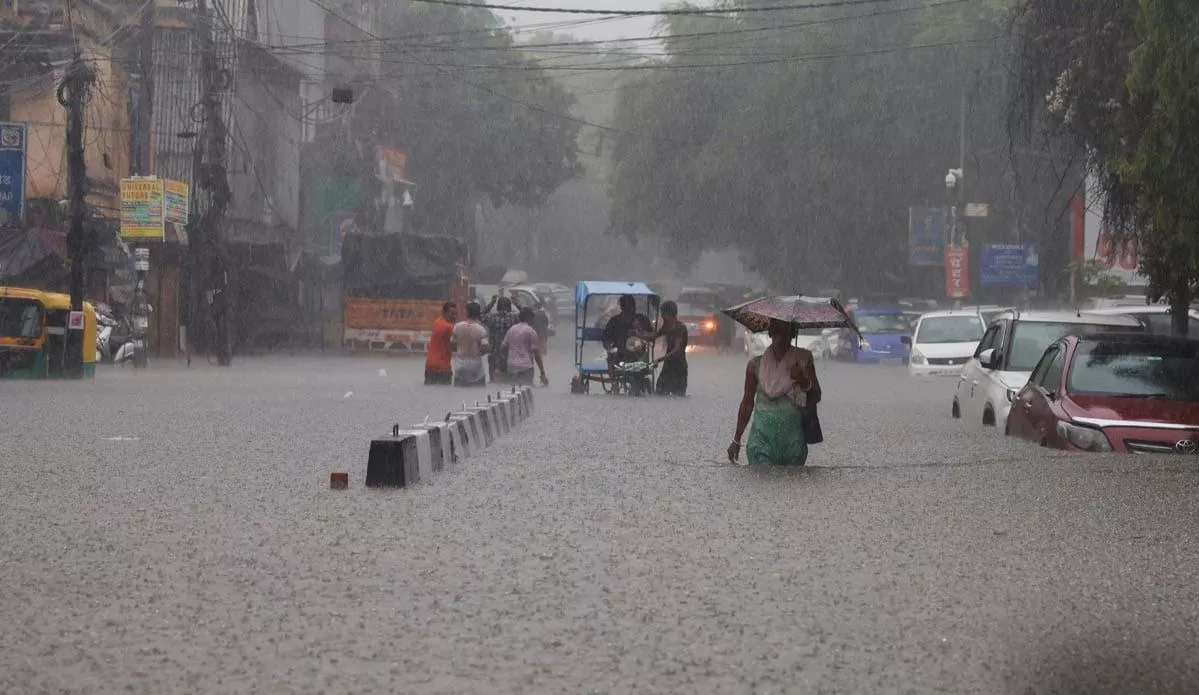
column 470, row 345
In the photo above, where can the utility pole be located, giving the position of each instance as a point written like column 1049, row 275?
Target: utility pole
column 141, row 167
column 214, row 178
column 145, row 104
column 72, row 94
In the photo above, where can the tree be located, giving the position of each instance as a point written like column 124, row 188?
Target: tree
column 478, row 119
column 1115, row 79
column 801, row 140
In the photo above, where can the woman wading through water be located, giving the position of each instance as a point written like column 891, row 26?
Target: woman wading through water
column 780, row 387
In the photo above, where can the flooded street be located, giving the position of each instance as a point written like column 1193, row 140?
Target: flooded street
column 172, row 530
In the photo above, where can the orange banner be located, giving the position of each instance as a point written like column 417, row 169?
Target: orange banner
column 392, row 314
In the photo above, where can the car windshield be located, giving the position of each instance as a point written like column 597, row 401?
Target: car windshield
column 1169, row 371
column 1032, row 337
column 20, row 318
column 884, row 323
column 692, row 311
column 949, row 329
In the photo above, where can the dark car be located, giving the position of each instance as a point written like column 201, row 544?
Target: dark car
column 1124, row 392
column 703, row 324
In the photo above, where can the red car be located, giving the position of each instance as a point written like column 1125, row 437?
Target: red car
column 1129, row 392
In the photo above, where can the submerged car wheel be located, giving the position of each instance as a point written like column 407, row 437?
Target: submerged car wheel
column 988, row 417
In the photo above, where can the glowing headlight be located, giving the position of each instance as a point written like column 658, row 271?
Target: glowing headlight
column 1085, row 438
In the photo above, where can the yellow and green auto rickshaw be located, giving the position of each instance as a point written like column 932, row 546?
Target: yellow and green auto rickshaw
column 33, row 334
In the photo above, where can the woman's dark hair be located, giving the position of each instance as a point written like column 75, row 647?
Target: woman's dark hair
column 527, row 314
column 669, row 308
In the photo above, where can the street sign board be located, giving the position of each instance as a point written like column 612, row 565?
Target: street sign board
column 977, row 209
column 957, row 271
column 12, row 171
column 1010, row 265
column 175, row 201
column 926, row 236
column 142, row 208
column 75, row 321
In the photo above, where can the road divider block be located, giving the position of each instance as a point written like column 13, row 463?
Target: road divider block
column 406, row 457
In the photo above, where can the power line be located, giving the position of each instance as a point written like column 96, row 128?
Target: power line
column 652, row 13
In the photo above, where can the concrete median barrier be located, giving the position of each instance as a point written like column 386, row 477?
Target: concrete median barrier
column 408, row 456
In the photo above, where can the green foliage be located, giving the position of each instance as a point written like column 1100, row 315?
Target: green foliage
column 488, row 132
column 801, row 140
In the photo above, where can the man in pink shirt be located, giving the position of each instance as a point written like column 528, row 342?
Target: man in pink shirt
column 523, row 348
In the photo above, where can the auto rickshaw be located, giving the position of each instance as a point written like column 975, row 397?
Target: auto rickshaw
column 33, row 334
column 635, row 378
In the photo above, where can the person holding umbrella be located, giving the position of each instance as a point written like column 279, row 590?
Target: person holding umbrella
column 781, row 387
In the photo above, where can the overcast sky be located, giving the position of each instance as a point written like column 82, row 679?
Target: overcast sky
column 590, row 27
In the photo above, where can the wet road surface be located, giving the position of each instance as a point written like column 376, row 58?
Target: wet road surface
column 172, row 531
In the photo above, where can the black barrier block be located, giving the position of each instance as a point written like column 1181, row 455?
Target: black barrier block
column 392, row 462
column 462, row 420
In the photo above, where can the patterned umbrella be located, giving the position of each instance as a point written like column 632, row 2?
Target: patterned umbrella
column 803, row 312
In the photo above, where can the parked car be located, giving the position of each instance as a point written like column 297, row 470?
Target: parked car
column 882, row 330
column 944, row 341
column 1112, row 392
column 1156, row 317
column 1007, row 353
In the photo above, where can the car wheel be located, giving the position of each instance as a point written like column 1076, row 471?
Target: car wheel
column 957, row 410
column 988, row 417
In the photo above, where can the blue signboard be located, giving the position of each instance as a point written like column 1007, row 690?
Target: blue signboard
column 12, row 172
column 1013, row 265
column 926, row 236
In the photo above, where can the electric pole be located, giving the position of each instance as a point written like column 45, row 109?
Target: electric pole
column 214, row 178
column 72, row 94
column 145, row 104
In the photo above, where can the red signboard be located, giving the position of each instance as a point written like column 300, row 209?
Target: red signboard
column 957, row 271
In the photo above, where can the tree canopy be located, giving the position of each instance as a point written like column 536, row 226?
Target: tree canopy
column 802, row 140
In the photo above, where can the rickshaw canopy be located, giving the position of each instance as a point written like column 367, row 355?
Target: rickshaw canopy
column 591, row 288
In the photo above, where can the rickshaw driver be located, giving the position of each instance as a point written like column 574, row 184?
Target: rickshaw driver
column 620, row 328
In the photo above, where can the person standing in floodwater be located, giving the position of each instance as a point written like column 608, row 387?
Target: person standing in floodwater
column 439, row 367
column 470, row 345
column 672, row 380
column 521, row 346
column 778, row 386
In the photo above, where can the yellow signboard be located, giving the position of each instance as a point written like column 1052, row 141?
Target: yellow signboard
column 142, row 208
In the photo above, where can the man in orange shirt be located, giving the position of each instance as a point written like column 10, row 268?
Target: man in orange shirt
column 438, row 368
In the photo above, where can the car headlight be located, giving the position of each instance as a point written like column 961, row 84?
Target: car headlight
column 1085, row 438
column 918, row 357
column 1011, row 395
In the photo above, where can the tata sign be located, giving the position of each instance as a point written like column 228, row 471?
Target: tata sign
column 12, row 171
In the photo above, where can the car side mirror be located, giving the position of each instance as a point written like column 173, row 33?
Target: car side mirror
column 906, row 340
column 988, row 358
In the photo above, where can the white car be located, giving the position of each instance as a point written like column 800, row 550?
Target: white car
column 944, row 341
column 1011, row 346
column 813, row 340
